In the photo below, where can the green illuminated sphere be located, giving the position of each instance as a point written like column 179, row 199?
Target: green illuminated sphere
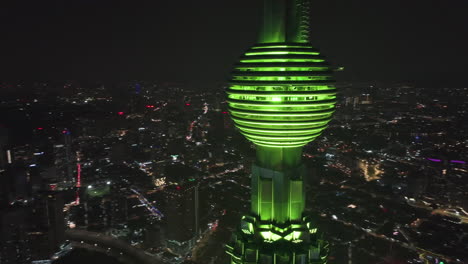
column 281, row 95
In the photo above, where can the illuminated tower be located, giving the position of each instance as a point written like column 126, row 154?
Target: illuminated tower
column 281, row 97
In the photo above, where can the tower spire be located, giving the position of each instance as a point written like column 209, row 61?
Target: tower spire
column 285, row 21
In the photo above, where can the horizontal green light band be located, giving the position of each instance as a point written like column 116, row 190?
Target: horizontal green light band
column 280, row 60
column 290, row 135
column 275, row 93
column 291, row 117
column 287, row 124
column 281, row 53
column 281, row 47
column 281, row 78
column 282, row 88
column 269, row 131
column 282, row 139
column 285, row 128
column 276, row 131
column 281, row 97
column 280, row 146
column 267, row 143
column 276, row 101
column 315, row 104
column 273, row 109
column 276, row 114
column 280, row 127
column 280, row 69
column 281, row 119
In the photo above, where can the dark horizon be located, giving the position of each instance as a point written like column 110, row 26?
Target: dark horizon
column 149, row 132
column 421, row 41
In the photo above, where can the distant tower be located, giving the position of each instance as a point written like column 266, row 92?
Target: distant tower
column 64, row 164
column 281, row 97
column 68, row 155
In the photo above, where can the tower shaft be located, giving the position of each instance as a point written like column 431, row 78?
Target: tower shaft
column 285, row 21
column 277, row 184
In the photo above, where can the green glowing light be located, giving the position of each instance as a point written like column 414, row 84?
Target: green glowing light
column 280, row 78
column 279, row 105
column 281, row 46
column 281, row 97
column 305, row 138
column 281, row 88
column 270, row 236
column 281, row 114
column 281, row 53
column 280, row 60
column 305, row 107
column 273, row 124
column 276, row 69
column 256, row 131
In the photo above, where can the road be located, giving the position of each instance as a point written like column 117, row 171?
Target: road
column 112, row 244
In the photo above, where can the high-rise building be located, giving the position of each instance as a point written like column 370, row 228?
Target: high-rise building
column 182, row 216
column 5, row 153
column 281, row 97
column 14, row 243
column 64, row 160
column 181, row 207
column 32, row 229
column 49, row 223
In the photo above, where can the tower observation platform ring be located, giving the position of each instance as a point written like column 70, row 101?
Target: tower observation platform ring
column 281, row 94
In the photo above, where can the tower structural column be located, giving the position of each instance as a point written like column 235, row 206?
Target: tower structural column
column 277, row 184
column 276, row 231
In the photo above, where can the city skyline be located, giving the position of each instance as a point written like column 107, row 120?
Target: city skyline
column 149, row 133
column 417, row 41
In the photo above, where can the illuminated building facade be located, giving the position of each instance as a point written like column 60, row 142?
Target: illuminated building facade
column 281, row 97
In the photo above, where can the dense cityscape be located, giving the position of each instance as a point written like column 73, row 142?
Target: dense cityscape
column 139, row 175
column 165, row 132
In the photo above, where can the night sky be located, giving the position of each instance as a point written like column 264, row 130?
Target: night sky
column 198, row 41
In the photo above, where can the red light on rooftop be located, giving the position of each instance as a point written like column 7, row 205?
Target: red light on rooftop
column 40, row 128
column 225, row 112
column 120, row 113
column 187, row 104
column 178, row 187
column 149, row 106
